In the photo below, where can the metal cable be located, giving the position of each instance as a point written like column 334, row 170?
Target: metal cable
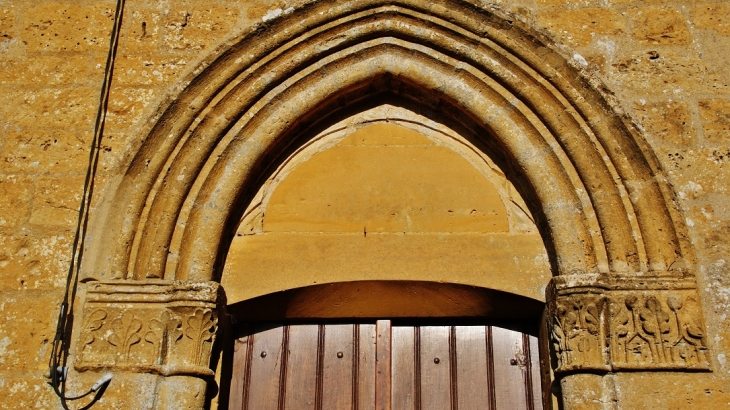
column 59, row 352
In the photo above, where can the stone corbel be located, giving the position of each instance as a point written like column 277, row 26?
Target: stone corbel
column 611, row 323
column 165, row 328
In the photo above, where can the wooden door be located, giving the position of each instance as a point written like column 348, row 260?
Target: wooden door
column 369, row 366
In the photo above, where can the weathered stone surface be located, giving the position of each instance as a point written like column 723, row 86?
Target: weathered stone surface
column 15, row 200
column 662, row 64
column 56, row 201
column 586, row 24
column 67, row 26
column 42, row 151
column 668, row 122
column 382, row 179
column 645, row 71
column 135, row 70
column 715, row 117
column 126, row 103
column 712, row 16
column 659, row 25
column 49, row 70
column 32, row 261
column 25, row 333
column 193, row 27
column 65, row 107
column 142, row 31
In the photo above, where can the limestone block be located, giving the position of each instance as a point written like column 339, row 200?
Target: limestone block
column 262, row 264
column 148, row 69
column 711, row 225
column 712, row 46
column 659, row 25
column 141, row 31
column 56, row 201
column 15, row 196
column 667, row 122
column 375, row 182
column 34, row 260
column 644, row 71
column 27, row 328
column 67, row 26
column 712, row 16
column 8, row 14
column 115, row 144
column 26, row 391
column 583, row 24
column 715, row 117
column 50, row 70
column 125, row 105
column 670, row 390
column 199, row 26
column 697, row 171
column 43, row 151
column 51, row 107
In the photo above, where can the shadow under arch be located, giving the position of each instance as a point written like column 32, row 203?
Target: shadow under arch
column 388, row 299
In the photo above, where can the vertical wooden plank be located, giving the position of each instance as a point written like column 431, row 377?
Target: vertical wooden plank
column 240, row 364
column 536, row 374
column 337, row 372
column 549, row 401
column 471, row 370
column 382, row 365
column 263, row 392
column 509, row 379
column 489, row 350
column 403, row 368
column 366, row 368
column 435, row 368
column 301, row 380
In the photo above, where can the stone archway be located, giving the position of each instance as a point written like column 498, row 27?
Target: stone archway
column 617, row 247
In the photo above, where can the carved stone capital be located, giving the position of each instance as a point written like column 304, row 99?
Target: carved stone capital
column 613, row 323
column 159, row 327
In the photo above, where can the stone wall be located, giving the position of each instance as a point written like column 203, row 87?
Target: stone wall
column 664, row 62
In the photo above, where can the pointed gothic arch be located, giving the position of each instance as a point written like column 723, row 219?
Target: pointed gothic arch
column 557, row 130
column 604, row 211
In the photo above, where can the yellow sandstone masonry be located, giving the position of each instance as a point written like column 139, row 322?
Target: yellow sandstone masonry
column 715, row 119
column 658, row 69
column 586, row 24
column 659, row 25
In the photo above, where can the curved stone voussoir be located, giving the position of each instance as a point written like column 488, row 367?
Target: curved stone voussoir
column 270, row 87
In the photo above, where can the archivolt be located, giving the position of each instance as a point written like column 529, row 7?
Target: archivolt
column 576, row 161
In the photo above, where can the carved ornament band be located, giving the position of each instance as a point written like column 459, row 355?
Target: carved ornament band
column 165, row 328
column 610, row 323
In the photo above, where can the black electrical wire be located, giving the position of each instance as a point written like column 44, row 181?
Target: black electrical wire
column 59, row 351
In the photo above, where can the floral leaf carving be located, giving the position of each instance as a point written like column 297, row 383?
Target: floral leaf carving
column 591, row 318
column 201, row 326
column 94, row 322
column 125, row 332
column 162, row 333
